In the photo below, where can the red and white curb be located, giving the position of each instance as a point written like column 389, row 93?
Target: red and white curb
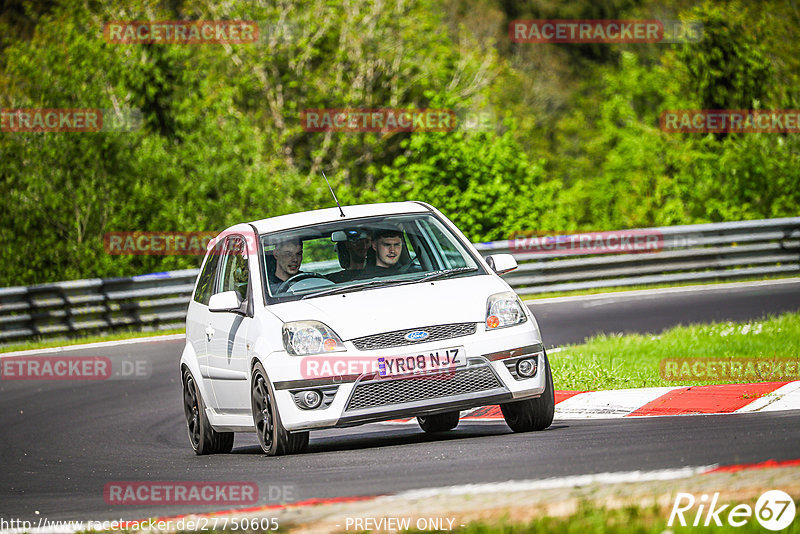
column 694, row 400
column 681, row 400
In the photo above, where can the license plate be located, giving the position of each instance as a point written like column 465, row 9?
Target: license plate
column 423, row 363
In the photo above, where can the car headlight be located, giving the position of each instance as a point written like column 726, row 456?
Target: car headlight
column 504, row 309
column 301, row 338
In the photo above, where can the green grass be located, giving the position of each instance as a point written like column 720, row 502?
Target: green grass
column 619, row 289
column 63, row 342
column 592, row 519
column 633, row 361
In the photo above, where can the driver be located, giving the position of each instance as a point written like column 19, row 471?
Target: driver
column 288, row 257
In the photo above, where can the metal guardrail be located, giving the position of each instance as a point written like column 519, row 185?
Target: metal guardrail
column 148, row 302
column 699, row 252
column 159, row 301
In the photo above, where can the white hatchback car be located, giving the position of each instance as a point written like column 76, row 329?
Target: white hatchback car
column 334, row 318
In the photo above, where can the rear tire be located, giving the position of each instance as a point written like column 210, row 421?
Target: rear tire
column 532, row 414
column 273, row 438
column 203, row 438
column 440, row 422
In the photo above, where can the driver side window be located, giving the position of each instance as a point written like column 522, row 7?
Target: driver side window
column 235, row 271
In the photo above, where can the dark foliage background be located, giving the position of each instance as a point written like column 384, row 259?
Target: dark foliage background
column 573, row 139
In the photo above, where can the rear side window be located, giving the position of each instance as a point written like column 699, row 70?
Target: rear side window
column 205, row 282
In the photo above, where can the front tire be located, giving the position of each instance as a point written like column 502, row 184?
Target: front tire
column 203, row 438
column 532, row 414
column 440, row 422
column 273, row 438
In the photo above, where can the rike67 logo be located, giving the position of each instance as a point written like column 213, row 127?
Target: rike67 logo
column 774, row 510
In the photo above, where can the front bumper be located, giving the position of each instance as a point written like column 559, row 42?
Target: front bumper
column 365, row 398
column 453, row 395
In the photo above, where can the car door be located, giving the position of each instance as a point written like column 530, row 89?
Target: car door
column 198, row 318
column 227, row 332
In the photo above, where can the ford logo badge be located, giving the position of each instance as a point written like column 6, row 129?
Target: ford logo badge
column 416, row 335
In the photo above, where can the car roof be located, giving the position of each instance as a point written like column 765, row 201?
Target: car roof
column 305, row 218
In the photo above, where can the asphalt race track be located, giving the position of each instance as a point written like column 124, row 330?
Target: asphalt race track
column 572, row 320
column 62, row 442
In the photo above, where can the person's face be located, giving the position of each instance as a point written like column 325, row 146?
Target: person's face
column 288, row 257
column 387, row 251
column 358, row 249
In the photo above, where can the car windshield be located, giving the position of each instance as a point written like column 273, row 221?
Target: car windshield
column 359, row 254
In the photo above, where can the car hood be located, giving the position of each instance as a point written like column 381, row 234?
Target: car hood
column 384, row 309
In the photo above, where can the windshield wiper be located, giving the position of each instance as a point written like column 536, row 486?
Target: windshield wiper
column 347, row 289
column 436, row 275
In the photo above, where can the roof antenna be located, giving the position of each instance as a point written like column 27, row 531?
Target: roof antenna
column 332, row 193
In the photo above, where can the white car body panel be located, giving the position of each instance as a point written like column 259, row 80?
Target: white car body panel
column 397, row 307
column 221, row 347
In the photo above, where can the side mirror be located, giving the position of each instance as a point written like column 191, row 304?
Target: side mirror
column 227, row 301
column 501, row 263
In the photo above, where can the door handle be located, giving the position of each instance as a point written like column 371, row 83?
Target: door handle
column 209, row 332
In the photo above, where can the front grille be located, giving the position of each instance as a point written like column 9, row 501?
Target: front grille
column 402, row 390
column 397, row 339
